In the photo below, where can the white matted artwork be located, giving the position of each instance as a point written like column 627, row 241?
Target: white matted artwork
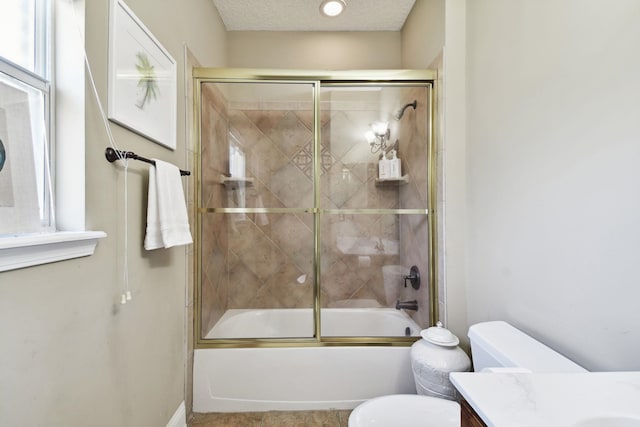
column 19, row 207
column 142, row 79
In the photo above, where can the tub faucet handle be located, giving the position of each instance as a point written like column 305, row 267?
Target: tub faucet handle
column 413, row 278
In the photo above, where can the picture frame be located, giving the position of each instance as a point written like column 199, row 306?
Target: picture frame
column 142, row 79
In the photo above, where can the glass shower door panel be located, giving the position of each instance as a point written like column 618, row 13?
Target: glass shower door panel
column 367, row 218
column 354, row 250
column 348, row 168
column 258, row 279
column 260, row 138
column 362, row 277
column 351, row 149
column 364, row 261
column 257, row 205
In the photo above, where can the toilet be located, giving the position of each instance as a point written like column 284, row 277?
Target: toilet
column 495, row 346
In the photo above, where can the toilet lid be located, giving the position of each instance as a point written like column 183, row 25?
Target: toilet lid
column 406, row 410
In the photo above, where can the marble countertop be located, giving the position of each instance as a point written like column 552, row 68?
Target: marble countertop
column 550, row 400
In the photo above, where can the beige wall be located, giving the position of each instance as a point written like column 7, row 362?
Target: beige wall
column 315, row 50
column 71, row 354
column 539, row 182
column 455, row 168
column 552, row 162
column 423, row 34
column 434, row 36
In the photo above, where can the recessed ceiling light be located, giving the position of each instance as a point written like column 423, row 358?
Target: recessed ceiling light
column 332, row 8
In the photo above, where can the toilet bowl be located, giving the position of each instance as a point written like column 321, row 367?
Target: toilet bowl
column 493, row 345
column 406, row 410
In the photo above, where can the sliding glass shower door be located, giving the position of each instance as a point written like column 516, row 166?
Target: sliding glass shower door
column 374, row 225
column 257, row 209
column 304, row 236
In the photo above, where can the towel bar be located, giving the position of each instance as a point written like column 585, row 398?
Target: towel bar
column 113, row 155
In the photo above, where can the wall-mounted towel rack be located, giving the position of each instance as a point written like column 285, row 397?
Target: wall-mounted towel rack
column 113, row 155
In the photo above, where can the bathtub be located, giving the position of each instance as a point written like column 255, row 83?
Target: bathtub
column 302, row 378
column 298, row 322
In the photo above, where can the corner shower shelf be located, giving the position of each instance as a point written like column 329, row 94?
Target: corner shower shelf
column 392, row 181
column 232, row 183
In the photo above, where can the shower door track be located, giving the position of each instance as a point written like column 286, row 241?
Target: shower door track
column 317, row 210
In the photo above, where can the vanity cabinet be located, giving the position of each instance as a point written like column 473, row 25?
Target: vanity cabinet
column 468, row 417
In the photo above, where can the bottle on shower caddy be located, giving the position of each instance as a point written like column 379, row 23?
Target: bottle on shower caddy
column 395, row 168
column 383, row 167
column 236, row 163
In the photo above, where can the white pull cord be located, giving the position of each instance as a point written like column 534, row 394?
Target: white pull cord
column 103, row 115
column 47, row 172
column 126, row 295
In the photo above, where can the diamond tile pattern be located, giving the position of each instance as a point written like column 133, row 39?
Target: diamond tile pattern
column 303, row 159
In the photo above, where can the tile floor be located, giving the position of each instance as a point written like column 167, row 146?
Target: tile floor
column 332, row 418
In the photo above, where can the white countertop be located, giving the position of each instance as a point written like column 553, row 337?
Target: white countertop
column 550, row 400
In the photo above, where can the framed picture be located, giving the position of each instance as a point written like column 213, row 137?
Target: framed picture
column 142, row 79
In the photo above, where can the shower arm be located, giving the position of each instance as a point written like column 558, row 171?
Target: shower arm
column 400, row 112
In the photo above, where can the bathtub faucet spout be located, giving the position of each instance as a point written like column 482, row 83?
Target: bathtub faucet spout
column 407, row 305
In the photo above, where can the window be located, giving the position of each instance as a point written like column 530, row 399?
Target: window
column 25, row 29
column 25, row 199
column 29, row 231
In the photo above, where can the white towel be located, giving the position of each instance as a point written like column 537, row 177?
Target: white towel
column 167, row 220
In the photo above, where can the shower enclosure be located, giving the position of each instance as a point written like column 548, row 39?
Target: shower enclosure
column 300, row 241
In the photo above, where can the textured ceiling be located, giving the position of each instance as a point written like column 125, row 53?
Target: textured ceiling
column 304, row 15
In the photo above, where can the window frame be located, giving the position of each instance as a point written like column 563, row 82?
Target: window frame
column 70, row 239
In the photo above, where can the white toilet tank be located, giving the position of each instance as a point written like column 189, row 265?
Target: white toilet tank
column 498, row 344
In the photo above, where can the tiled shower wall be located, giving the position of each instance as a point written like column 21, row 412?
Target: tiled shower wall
column 264, row 260
column 414, row 229
column 213, row 241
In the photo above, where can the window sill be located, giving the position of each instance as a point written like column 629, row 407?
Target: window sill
column 34, row 249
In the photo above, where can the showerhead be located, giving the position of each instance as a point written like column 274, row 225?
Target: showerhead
column 398, row 115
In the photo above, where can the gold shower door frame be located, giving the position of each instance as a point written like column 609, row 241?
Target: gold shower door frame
column 393, row 78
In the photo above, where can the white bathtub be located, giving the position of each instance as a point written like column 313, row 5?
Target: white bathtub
column 302, row 378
